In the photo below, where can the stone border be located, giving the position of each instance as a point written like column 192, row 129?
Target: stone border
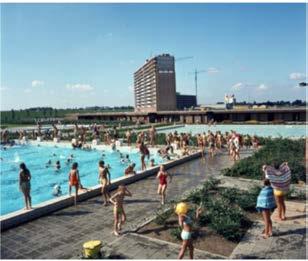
column 21, row 216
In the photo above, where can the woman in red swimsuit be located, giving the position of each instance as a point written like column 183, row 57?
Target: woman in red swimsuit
column 74, row 180
column 162, row 176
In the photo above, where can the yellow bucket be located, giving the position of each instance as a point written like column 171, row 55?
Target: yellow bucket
column 92, row 248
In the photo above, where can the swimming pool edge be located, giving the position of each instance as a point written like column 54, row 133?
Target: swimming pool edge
column 19, row 217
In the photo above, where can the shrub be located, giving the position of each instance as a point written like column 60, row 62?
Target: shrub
column 227, row 227
column 176, row 233
column 274, row 150
column 162, row 217
column 231, row 194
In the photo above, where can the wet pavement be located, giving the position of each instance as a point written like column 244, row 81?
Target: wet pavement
column 61, row 234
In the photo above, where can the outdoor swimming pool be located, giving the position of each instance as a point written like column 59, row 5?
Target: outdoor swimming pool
column 260, row 130
column 44, row 179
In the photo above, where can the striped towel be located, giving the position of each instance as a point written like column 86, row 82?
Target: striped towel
column 266, row 199
column 281, row 178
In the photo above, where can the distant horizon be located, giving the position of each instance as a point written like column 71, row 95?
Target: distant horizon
column 73, row 55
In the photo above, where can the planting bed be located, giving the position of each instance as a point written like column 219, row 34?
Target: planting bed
column 227, row 215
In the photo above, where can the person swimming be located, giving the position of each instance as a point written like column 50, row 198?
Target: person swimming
column 57, row 190
column 130, row 169
column 58, row 165
column 48, row 163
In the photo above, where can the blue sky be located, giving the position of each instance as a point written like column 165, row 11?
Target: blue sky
column 72, row 55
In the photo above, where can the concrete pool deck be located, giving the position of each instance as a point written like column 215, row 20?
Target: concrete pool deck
column 62, row 233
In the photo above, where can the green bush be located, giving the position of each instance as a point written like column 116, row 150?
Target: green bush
column 176, row 233
column 162, row 217
column 244, row 199
column 225, row 218
column 274, row 151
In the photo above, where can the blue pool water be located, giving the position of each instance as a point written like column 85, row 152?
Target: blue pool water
column 260, row 130
column 44, row 179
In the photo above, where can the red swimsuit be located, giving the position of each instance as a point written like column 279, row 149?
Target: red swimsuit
column 163, row 179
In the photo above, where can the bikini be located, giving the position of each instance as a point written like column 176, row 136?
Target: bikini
column 186, row 235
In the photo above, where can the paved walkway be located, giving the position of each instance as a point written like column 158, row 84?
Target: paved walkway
column 288, row 242
column 61, row 234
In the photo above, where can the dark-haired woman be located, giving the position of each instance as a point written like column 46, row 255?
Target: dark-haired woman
column 74, row 180
column 24, row 184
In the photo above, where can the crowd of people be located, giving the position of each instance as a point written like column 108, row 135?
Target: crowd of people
column 276, row 184
column 207, row 143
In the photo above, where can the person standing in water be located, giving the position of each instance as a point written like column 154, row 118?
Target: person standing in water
column 162, row 176
column 74, row 180
column 104, row 178
column 118, row 210
column 24, row 184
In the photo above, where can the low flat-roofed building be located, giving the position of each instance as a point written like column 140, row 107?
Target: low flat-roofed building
column 185, row 101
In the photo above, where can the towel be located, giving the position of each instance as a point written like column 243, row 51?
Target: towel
column 280, row 178
column 266, row 199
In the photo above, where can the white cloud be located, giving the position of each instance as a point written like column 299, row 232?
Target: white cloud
column 27, row 90
column 3, row 88
column 37, row 83
column 238, row 86
column 262, row 87
column 79, row 87
column 212, row 70
column 297, row 76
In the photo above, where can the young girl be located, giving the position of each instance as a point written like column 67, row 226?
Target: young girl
column 186, row 223
column 266, row 204
column 280, row 178
column 74, row 180
column 118, row 210
column 24, row 184
column 162, row 176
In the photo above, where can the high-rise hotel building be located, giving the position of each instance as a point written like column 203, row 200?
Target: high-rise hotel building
column 154, row 85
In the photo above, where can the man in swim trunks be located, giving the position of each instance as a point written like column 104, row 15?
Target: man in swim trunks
column 118, row 210
column 104, row 178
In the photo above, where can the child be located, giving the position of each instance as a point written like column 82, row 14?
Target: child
column 118, row 210
column 186, row 223
column 152, row 163
column 130, row 169
column 266, row 204
column 162, row 176
column 74, row 180
column 280, row 178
